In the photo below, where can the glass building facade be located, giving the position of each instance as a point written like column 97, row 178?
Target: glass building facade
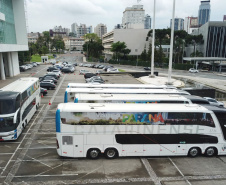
column 178, row 24
column 7, row 27
column 216, row 42
column 204, row 13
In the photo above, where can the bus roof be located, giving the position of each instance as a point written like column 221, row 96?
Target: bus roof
column 20, row 85
column 94, row 107
column 127, row 97
column 125, row 86
column 126, row 91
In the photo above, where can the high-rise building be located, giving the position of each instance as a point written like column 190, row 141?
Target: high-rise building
column 190, row 24
column 204, row 13
column 147, row 22
column 224, row 19
column 178, row 24
column 74, row 27
column 133, row 17
column 100, row 30
column 13, row 36
column 59, row 31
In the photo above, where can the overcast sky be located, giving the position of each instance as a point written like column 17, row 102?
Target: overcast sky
column 45, row 14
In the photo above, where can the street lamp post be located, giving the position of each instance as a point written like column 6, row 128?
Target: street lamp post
column 171, row 45
column 153, row 43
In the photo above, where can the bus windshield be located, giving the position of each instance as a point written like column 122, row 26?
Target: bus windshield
column 6, row 124
column 7, row 106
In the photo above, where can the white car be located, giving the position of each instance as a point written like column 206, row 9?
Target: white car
column 214, row 102
column 112, row 70
column 192, row 70
column 56, row 72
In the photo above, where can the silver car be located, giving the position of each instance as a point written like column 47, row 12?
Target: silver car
column 214, row 102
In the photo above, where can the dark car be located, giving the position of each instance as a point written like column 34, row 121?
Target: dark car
column 44, row 91
column 47, row 85
column 48, row 78
column 52, row 75
column 75, row 64
column 147, row 68
column 67, row 70
column 22, row 69
column 89, row 75
column 51, row 69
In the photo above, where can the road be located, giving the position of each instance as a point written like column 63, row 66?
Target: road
column 33, row 159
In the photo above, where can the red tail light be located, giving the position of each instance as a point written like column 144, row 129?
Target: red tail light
column 33, row 103
column 57, row 144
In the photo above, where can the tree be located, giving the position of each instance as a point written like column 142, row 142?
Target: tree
column 144, row 55
column 44, row 50
column 118, row 48
column 24, row 56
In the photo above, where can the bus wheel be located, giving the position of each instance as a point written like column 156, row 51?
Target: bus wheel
column 210, row 152
column 111, row 153
column 193, row 152
column 93, row 153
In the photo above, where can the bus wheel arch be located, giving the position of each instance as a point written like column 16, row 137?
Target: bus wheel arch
column 211, row 151
column 194, row 151
column 111, row 153
column 93, row 153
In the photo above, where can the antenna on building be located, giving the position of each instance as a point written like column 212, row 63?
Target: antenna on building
column 26, row 15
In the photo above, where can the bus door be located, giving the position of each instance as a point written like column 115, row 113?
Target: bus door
column 78, row 146
column 67, row 146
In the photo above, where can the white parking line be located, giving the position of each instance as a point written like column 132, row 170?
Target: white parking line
column 20, row 144
column 179, row 170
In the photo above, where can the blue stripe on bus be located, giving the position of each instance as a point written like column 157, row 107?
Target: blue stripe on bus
column 76, row 100
column 15, row 134
column 65, row 97
column 58, row 120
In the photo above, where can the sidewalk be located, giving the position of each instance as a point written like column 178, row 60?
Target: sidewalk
column 158, row 80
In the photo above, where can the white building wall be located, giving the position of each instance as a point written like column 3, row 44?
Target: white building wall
column 15, row 59
column 20, row 22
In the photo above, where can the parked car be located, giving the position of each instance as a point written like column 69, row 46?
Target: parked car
column 50, row 81
column 214, row 102
column 81, row 64
column 58, row 66
column 29, row 66
column 100, row 71
column 22, row 68
column 147, row 68
column 57, row 72
column 52, row 75
column 89, row 75
column 112, row 70
column 47, row 85
column 92, row 78
column 106, row 67
column 83, row 71
column 75, row 64
column 51, row 69
column 101, row 66
column 97, row 65
column 44, row 91
column 48, row 78
column 67, row 70
column 192, row 70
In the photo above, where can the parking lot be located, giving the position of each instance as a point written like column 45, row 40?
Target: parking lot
column 33, row 159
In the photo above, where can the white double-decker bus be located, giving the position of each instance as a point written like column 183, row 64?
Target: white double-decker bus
column 18, row 103
column 70, row 92
column 89, row 130
column 131, row 98
column 119, row 86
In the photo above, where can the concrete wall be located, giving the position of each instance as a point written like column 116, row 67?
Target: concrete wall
column 135, row 39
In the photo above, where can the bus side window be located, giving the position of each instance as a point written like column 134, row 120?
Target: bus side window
column 67, row 140
column 24, row 96
column 17, row 102
column 18, row 118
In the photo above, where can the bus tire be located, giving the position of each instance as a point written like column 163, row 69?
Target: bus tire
column 211, row 151
column 93, row 153
column 111, row 153
column 194, row 152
